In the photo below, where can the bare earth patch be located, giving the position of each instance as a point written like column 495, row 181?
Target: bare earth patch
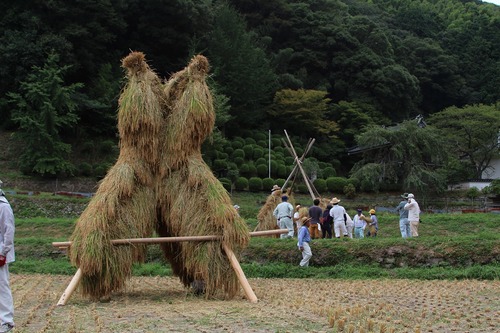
column 154, row 304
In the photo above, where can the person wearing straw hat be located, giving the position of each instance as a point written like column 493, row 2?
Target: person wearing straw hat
column 6, row 257
column 275, row 188
column 339, row 218
column 404, row 223
column 283, row 213
column 304, row 240
column 413, row 214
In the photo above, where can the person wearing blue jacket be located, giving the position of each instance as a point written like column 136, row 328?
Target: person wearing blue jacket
column 404, row 223
column 304, row 240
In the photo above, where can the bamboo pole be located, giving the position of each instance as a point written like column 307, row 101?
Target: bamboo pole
column 70, row 288
column 158, row 240
column 240, row 274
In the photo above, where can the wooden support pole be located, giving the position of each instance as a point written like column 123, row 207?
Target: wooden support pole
column 158, row 240
column 70, row 288
column 240, row 274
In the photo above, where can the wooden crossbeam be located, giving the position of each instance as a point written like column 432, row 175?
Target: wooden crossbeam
column 158, row 240
column 230, row 254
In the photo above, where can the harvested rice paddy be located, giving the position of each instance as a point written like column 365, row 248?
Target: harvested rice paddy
column 162, row 304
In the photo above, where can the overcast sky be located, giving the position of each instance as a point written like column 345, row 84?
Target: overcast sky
column 497, row 2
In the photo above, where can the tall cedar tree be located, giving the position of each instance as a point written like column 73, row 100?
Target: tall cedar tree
column 43, row 109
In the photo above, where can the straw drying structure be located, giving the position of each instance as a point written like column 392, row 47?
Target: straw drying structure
column 160, row 184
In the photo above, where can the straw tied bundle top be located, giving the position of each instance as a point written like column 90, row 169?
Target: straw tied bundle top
column 159, row 174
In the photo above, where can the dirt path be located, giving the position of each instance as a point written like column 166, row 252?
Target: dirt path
column 162, row 305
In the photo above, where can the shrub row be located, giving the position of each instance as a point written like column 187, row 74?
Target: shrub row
column 256, row 184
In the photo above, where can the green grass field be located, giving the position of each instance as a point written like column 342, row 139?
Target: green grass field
column 451, row 246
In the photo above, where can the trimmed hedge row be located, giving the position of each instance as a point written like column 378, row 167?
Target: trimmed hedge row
column 256, row 184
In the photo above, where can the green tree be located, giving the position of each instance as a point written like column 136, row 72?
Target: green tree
column 43, row 109
column 241, row 67
column 438, row 72
column 405, row 155
column 303, row 112
column 472, row 134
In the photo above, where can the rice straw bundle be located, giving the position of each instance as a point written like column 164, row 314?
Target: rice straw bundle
column 143, row 112
column 125, row 203
column 201, row 206
column 324, row 202
column 265, row 217
column 192, row 113
column 193, row 202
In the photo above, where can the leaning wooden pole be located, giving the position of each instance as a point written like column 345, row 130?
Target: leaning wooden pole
column 295, row 167
column 240, row 274
column 290, row 148
column 70, row 288
column 230, row 254
column 299, row 164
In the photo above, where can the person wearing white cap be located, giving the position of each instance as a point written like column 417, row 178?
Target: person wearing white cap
column 413, row 214
column 6, row 257
column 237, row 209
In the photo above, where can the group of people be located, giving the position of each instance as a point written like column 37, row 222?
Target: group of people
column 324, row 223
column 309, row 222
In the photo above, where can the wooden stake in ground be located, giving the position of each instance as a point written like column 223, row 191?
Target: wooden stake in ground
column 240, row 274
column 70, row 288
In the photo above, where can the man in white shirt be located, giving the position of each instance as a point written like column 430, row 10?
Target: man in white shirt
column 339, row 218
column 283, row 213
column 6, row 257
column 413, row 214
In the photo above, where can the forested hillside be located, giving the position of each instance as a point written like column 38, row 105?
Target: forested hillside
column 342, row 72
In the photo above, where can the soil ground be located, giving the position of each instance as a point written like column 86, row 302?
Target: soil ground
column 154, row 304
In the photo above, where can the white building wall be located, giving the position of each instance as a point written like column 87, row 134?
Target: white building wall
column 494, row 171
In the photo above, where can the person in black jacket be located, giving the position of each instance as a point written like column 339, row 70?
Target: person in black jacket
column 326, row 222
